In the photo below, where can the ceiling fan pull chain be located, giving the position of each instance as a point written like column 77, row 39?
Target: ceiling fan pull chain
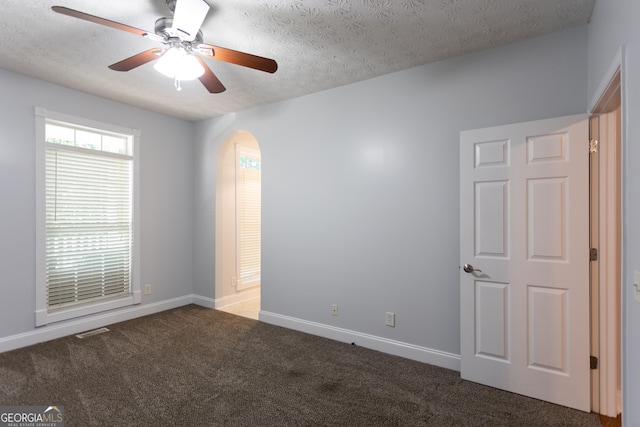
column 176, row 83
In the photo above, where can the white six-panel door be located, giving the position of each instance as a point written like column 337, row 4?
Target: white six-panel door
column 524, row 228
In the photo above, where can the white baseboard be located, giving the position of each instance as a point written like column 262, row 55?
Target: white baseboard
column 223, row 302
column 62, row 329
column 204, row 301
column 385, row 345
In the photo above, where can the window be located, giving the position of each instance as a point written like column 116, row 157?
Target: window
column 85, row 217
column 248, row 216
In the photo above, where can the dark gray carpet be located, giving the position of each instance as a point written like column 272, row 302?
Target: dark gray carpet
column 193, row 367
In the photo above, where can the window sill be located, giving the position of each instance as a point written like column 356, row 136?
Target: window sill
column 44, row 317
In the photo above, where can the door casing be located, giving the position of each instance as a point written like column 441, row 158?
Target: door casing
column 606, row 272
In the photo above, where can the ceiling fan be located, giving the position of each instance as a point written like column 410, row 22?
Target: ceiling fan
column 182, row 40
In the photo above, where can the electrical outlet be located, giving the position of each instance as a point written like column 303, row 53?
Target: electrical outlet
column 147, row 289
column 234, row 281
column 391, row 319
column 636, row 285
column 334, row 309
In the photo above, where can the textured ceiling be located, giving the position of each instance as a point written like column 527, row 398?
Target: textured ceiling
column 318, row 44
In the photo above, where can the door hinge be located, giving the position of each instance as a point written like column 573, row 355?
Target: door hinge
column 593, row 362
column 593, row 254
column 593, row 146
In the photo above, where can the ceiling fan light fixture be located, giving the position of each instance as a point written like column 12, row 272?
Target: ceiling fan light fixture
column 178, row 64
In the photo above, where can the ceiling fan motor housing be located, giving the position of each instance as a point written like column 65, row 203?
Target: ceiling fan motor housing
column 164, row 28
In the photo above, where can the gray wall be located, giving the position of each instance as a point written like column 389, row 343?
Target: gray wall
column 614, row 24
column 166, row 193
column 360, row 185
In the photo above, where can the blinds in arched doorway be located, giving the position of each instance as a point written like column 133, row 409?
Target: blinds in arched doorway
column 248, row 216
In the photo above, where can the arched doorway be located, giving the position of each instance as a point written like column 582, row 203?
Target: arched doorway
column 238, row 218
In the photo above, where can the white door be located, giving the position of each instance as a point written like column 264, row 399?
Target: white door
column 524, row 227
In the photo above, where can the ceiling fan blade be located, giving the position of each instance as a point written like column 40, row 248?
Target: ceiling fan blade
column 98, row 20
column 137, row 60
column 239, row 58
column 209, row 80
column 188, row 17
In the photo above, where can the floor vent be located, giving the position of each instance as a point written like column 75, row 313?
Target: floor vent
column 91, row 333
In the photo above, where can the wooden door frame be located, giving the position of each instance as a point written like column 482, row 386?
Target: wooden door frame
column 606, row 234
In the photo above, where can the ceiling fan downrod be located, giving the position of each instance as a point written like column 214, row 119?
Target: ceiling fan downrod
column 171, row 4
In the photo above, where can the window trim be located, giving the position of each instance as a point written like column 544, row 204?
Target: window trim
column 42, row 315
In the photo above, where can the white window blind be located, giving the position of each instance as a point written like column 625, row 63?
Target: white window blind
column 248, row 208
column 88, row 216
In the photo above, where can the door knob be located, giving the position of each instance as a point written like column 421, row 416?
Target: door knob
column 468, row 268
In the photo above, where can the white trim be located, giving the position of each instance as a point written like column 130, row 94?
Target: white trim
column 42, row 315
column 610, row 248
column 385, row 345
column 204, row 301
column 40, row 215
column 609, row 352
column 613, row 69
column 63, row 329
column 86, row 310
column 619, row 402
column 223, row 302
column 84, row 122
column 136, row 261
column 83, row 150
